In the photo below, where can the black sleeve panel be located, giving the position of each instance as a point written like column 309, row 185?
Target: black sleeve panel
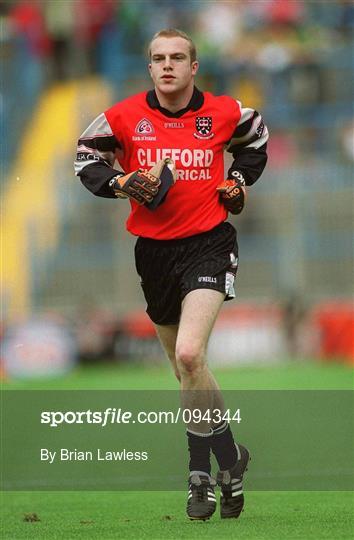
column 95, row 178
column 250, row 162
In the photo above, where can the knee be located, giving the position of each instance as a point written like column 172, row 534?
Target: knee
column 190, row 359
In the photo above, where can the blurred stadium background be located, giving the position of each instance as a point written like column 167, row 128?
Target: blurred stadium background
column 69, row 289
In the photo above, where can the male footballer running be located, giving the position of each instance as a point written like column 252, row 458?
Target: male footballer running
column 170, row 143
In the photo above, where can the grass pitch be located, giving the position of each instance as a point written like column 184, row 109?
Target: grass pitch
column 158, row 515
column 152, row 515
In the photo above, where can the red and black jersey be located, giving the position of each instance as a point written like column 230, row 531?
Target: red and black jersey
column 138, row 132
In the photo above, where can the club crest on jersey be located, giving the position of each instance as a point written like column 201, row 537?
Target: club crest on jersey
column 144, row 131
column 203, row 125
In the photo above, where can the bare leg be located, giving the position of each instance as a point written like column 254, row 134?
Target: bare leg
column 168, row 335
column 193, row 334
column 199, row 388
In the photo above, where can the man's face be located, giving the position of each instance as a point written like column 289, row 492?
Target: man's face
column 170, row 66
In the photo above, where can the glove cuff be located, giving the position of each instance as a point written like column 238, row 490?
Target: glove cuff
column 115, row 186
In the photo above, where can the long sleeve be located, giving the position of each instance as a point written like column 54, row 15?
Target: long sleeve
column 248, row 145
column 96, row 154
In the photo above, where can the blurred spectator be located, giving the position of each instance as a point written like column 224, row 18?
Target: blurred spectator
column 60, row 24
column 28, row 23
column 32, row 46
column 91, row 19
column 218, row 25
column 26, row 47
column 285, row 12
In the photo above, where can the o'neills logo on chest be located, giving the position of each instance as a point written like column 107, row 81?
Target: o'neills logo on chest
column 174, row 125
column 203, row 125
column 144, row 131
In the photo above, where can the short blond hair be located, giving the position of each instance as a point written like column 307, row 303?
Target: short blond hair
column 174, row 32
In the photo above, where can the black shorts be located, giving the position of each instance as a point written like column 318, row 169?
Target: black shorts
column 170, row 269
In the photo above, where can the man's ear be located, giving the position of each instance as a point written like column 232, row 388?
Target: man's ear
column 195, row 67
column 149, row 68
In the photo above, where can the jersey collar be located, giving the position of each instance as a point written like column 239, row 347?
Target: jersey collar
column 195, row 103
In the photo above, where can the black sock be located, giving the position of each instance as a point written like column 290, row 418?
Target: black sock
column 199, row 452
column 223, row 446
